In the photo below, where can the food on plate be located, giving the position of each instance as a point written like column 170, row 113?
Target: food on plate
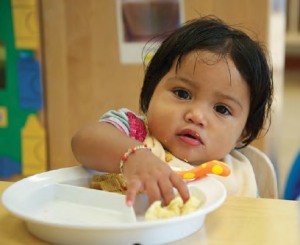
column 174, row 209
column 109, row 182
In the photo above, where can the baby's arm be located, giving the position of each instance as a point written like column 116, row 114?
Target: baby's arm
column 100, row 146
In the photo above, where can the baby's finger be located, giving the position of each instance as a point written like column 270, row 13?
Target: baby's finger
column 181, row 186
column 167, row 191
column 153, row 192
column 133, row 187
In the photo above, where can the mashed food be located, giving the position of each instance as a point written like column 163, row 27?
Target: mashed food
column 174, row 209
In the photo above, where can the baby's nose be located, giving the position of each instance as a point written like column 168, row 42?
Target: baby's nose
column 197, row 116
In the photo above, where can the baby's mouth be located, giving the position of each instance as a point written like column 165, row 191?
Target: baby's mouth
column 190, row 137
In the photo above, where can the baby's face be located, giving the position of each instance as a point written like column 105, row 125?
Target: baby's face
column 199, row 113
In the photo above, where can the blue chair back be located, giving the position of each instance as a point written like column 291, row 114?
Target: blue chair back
column 292, row 188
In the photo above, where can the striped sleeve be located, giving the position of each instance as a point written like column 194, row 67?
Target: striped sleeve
column 119, row 119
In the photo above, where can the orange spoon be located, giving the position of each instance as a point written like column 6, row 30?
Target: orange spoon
column 212, row 167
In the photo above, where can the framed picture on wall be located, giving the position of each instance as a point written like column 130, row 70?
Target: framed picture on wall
column 145, row 22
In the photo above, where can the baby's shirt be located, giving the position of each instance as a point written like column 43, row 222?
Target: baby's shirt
column 120, row 119
column 240, row 182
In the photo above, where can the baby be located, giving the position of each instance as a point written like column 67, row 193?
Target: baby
column 207, row 92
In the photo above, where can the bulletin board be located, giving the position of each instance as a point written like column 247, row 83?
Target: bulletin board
column 20, row 93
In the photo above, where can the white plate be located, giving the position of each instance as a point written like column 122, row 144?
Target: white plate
column 57, row 208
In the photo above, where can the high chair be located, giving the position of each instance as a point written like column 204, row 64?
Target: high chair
column 264, row 172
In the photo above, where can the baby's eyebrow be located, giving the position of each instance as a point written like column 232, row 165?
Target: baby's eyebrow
column 183, row 79
column 228, row 97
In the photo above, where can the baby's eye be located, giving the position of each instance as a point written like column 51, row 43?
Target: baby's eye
column 222, row 110
column 182, row 94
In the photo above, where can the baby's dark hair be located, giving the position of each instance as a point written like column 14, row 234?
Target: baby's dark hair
column 212, row 34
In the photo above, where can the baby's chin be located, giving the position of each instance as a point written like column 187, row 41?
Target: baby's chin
column 196, row 161
column 191, row 158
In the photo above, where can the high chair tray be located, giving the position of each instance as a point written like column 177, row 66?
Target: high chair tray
column 57, row 207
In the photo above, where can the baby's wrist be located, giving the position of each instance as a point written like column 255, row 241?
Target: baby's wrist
column 128, row 155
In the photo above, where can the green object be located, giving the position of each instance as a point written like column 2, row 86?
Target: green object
column 10, row 137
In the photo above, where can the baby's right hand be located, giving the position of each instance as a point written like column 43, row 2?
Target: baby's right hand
column 143, row 171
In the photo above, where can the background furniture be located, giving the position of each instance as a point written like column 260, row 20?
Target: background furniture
column 264, row 172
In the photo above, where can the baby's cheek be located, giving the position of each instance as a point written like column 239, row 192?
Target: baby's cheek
column 221, row 148
column 156, row 127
